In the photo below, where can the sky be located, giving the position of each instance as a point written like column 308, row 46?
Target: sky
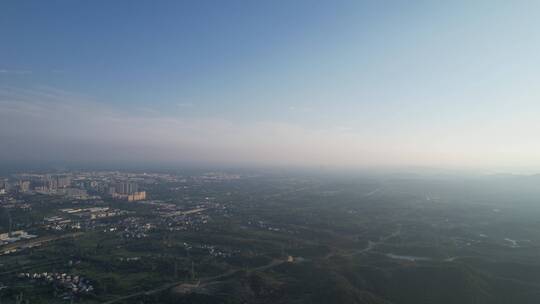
column 348, row 84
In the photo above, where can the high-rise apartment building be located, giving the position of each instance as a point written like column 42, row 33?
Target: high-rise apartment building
column 126, row 188
column 24, row 186
column 58, row 181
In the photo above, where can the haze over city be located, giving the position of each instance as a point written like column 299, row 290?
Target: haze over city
column 347, row 84
column 269, row 152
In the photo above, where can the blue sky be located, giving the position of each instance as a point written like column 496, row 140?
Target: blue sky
column 334, row 83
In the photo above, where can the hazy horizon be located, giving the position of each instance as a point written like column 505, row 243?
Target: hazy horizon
column 340, row 84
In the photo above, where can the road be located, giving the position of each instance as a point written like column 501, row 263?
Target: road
column 370, row 246
column 183, row 287
column 37, row 242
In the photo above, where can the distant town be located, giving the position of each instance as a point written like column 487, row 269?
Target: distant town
column 89, row 191
column 83, row 186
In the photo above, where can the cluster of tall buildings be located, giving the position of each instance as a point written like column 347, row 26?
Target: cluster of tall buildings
column 126, row 187
column 47, row 183
column 58, row 181
column 127, row 191
column 116, row 185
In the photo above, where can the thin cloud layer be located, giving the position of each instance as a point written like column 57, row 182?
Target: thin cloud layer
column 50, row 123
column 15, row 72
column 45, row 123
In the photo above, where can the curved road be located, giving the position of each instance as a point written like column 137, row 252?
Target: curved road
column 187, row 287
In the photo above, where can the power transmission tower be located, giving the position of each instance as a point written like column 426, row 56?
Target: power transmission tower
column 10, row 222
column 192, row 270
